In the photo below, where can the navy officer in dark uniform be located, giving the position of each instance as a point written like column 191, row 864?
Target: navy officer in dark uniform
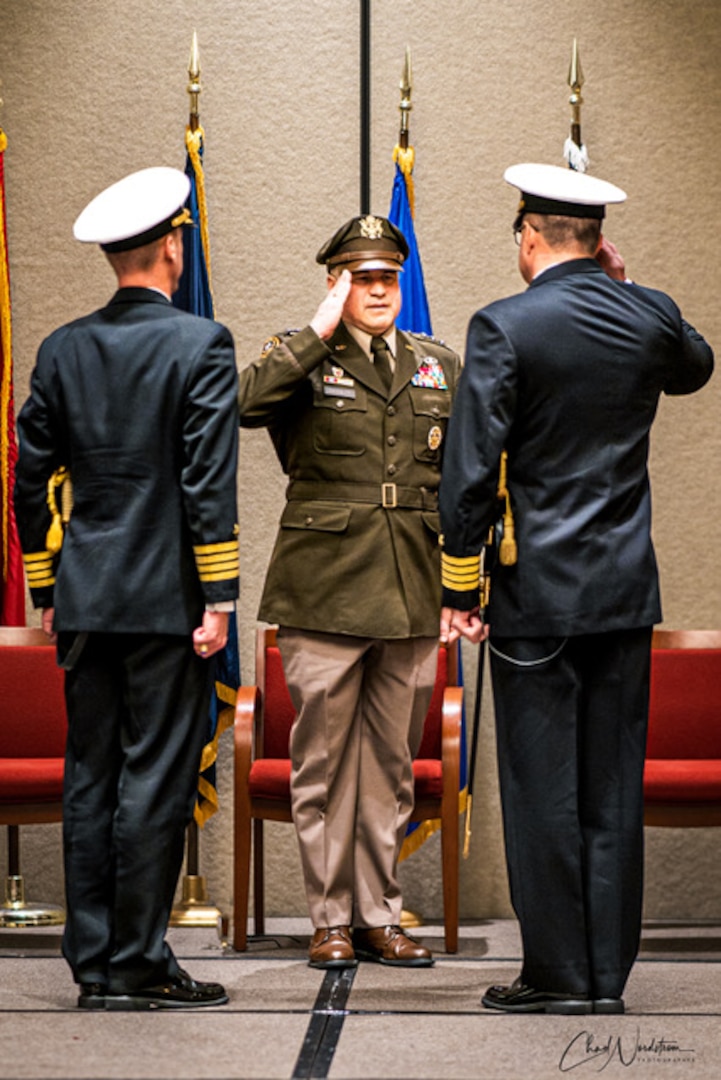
column 137, row 402
column 566, row 378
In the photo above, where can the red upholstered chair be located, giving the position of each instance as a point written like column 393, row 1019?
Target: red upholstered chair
column 263, row 719
column 682, row 777
column 33, row 729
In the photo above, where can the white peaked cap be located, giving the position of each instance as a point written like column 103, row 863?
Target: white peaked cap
column 136, row 210
column 550, row 189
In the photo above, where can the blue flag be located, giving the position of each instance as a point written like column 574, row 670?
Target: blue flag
column 415, row 316
column 195, row 294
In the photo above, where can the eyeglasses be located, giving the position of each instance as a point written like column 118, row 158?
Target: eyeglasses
column 518, row 231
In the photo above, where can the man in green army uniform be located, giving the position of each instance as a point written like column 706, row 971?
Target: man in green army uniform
column 357, row 411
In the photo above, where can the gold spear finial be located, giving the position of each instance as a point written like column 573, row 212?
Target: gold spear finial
column 575, row 81
column 574, row 150
column 406, row 86
column 194, row 84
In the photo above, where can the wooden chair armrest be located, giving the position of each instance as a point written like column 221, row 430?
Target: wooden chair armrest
column 451, row 726
column 247, row 713
column 686, row 639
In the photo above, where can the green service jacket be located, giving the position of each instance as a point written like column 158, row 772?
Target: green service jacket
column 357, row 548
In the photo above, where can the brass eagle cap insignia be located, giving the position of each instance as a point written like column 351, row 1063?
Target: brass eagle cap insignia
column 371, row 228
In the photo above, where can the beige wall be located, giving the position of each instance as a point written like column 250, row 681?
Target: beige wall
column 94, row 90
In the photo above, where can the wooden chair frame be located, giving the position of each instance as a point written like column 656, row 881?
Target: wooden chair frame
column 248, row 744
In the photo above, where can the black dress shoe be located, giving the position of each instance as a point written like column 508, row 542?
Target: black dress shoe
column 523, row 999
column 92, row 995
column 609, row 1005
column 180, row 992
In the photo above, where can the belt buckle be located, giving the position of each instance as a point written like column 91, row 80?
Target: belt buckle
column 389, row 493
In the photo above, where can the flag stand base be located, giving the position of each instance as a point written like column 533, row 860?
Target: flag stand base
column 16, row 913
column 195, row 908
column 409, row 919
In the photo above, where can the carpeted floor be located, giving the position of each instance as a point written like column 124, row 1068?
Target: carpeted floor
column 286, row 1020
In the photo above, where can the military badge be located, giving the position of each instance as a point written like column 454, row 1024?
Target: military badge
column 271, row 343
column 371, row 227
column 435, row 437
column 338, row 384
column 430, row 374
column 337, row 378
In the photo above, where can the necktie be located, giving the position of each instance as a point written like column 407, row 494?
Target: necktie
column 382, row 361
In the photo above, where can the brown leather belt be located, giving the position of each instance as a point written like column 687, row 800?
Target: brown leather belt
column 389, row 496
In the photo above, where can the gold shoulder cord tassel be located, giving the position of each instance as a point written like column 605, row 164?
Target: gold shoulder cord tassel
column 507, row 551
column 60, row 516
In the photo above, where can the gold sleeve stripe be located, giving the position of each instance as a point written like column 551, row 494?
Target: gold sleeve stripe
column 460, row 575
column 219, row 575
column 227, row 566
column 37, row 556
column 217, row 562
column 39, row 569
column 214, row 549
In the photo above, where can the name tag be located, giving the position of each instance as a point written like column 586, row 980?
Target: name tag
column 336, row 390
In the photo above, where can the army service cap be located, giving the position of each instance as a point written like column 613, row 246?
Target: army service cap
column 136, row 210
column 365, row 243
column 549, row 189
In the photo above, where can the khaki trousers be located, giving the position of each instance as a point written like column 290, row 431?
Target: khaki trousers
column 361, row 704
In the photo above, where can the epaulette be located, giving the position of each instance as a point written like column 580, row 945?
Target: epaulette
column 429, row 337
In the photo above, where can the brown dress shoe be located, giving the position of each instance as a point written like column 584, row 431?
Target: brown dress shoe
column 331, row 947
column 390, row 945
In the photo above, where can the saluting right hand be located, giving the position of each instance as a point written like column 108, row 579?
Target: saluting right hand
column 330, row 311
column 611, row 260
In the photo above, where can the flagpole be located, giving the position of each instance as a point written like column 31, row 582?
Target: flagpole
column 195, row 908
column 365, row 106
column 406, row 87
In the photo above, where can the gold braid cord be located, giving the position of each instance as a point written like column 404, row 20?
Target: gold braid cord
column 193, row 144
column 508, row 550
column 60, row 514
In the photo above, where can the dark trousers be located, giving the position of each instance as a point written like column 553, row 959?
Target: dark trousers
column 571, row 736
column 137, row 720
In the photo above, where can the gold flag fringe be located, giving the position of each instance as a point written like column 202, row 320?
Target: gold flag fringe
column 405, row 158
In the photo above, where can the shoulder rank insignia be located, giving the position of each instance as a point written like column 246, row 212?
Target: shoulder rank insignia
column 429, row 337
column 430, row 374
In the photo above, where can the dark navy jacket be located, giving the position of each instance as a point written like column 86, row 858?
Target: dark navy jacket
column 139, row 401
column 566, row 377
